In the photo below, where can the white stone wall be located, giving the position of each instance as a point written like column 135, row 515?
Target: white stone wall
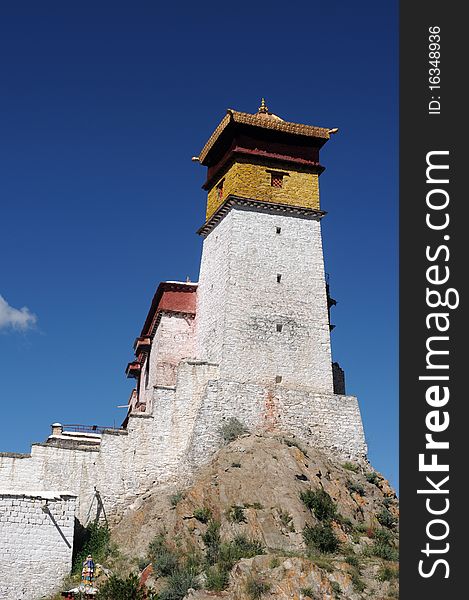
column 36, row 541
column 330, row 422
column 212, row 292
column 181, row 434
column 173, row 341
column 126, row 464
column 52, row 468
column 175, row 411
column 240, row 302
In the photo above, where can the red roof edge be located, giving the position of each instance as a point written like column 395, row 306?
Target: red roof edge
column 168, row 286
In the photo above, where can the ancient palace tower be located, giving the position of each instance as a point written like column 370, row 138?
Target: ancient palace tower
column 250, row 340
column 262, row 306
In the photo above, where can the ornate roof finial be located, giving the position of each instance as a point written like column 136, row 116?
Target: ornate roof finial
column 263, row 108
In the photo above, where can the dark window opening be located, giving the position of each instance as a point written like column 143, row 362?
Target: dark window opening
column 276, row 180
column 279, row 327
column 279, row 278
column 279, row 229
column 278, row 379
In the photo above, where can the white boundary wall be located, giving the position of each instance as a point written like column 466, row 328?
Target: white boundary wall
column 181, row 434
column 36, row 541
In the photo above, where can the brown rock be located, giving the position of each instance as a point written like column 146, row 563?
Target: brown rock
column 266, row 487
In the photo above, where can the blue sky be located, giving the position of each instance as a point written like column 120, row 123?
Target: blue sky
column 102, row 106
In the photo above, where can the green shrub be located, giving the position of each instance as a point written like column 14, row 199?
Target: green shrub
column 217, row 578
column 336, row 588
column 286, row 519
column 236, row 514
column 256, row 588
column 236, row 465
column 383, row 536
column 351, row 467
column 164, row 560
column 383, row 546
column 194, row 560
column 357, row 581
column 94, row 540
column 117, row 588
column 203, row 514
column 178, row 583
column 356, row 488
column 372, row 477
column 211, row 539
column 232, row 429
column 274, row 562
column 223, row 556
column 238, row 548
column 385, row 518
column 320, row 503
column 387, row 573
column 346, row 523
column 320, row 537
column 247, row 548
column 142, row 562
column 384, row 551
column 294, row 444
column 352, row 559
column 176, row 498
column 322, row 562
column 307, row 591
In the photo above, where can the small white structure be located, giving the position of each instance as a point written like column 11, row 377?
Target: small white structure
column 36, row 541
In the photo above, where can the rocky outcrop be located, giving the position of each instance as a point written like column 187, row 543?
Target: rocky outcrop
column 282, row 495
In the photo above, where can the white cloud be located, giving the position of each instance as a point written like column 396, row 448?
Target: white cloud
column 16, row 318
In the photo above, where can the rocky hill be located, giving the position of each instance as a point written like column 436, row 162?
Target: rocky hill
column 268, row 518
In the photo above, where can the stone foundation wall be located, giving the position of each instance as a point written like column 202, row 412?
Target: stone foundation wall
column 329, row 421
column 181, row 434
column 36, row 541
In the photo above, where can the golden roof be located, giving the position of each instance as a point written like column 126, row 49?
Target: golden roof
column 265, row 120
